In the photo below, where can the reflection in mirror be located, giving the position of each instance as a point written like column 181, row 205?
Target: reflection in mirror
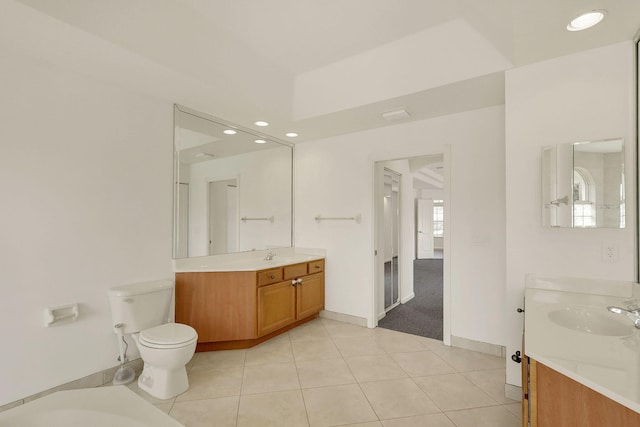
column 583, row 185
column 233, row 188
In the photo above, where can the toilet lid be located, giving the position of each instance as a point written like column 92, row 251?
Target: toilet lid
column 169, row 334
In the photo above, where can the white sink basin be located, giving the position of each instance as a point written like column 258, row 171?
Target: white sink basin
column 591, row 322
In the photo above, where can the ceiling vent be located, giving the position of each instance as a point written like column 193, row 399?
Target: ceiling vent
column 395, row 115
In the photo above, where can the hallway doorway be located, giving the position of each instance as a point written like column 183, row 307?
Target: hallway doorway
column 420, row 310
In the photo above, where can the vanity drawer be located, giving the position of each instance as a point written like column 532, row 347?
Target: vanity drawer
column 294, row 271
column 268, row 277
column 316, row 266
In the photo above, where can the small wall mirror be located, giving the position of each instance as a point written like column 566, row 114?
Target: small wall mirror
column 583, row 184
column 233, row 188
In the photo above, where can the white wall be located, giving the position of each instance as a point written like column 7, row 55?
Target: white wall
column 586, row 96
column 339, row 173
column 86, row 182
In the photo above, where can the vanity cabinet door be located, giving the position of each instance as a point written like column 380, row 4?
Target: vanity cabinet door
column 310, row 295
column 276, row 307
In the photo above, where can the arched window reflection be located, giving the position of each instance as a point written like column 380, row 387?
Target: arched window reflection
column 584, row 198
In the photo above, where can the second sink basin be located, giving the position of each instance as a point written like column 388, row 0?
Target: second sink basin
column 592, row 322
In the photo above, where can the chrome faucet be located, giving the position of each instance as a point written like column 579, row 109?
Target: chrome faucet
column 632, row 312
column 269, row 256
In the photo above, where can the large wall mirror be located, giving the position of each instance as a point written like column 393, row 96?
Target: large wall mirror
column 233, row 188
column 583, row 184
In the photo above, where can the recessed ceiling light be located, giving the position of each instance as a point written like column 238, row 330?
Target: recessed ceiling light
column 586, row 20
column 260, row 141
column 229, row 131
column 292, row 134
column 261, row 123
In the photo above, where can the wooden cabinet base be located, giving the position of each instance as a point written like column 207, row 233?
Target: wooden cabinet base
column 235, row 345
column 557, row 400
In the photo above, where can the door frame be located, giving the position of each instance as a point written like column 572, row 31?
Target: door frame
column 447, row 252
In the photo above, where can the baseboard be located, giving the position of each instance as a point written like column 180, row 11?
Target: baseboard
column 407, row 299
column 96, row 379
column 513, row 392
column 481, row 347
column 344, row 318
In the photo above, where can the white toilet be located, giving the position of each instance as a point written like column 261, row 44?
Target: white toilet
column 165, row 348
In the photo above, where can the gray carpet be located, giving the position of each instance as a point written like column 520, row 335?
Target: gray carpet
column 423, row 314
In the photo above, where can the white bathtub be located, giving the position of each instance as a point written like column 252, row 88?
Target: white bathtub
column 95, row 407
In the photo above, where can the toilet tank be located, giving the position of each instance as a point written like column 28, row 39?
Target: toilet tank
column 140, row 306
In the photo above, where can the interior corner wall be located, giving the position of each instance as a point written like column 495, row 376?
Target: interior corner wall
column 580, row 97
column 86, row 179
column 334, row 177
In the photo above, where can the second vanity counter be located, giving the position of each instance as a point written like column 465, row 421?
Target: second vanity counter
column 569, row 329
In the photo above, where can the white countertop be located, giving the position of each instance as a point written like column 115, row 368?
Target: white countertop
column 600, row 349
column 248, row 261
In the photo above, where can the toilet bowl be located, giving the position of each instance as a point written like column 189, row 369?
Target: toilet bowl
column 142, row 310
column 165, row 350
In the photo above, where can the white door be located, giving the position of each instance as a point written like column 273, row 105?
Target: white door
column 424, row 228
column 223, row 217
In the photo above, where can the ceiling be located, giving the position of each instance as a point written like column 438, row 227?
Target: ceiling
column 317, row 67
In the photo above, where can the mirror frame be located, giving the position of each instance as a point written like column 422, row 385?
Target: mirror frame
column 180, row 109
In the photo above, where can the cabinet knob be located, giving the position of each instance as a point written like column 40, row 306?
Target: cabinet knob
column 294, row 282
column 317, row 267
column 272, row 276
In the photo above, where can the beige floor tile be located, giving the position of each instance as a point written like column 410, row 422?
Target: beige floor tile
column 320, row 373
column 337, row 405
column 358, row 346
column 430, row 343
column 146, row 396
column 219, row 359
column 281, row 409
column 369, row 424
column 345, row 330
column 311, row 331
column 221, row 412
column 211, row 383
column 453, row 391
column 397, row 342
column 515, row 409
column 315, row 350
column 164, row 407
column 466, row 360
column 269, row 378
column 397, row 398
column 422, row 363
column 431, row 420
column 374, row 368
column 491, row 382
column 278, row 351
column 494, row 416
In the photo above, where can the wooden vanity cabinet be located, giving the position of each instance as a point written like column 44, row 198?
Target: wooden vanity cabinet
column 241, row 309
column 556, row 400
column 298, row 296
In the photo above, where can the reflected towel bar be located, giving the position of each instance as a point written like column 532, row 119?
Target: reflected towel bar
column 355, row 218
column 245, row 219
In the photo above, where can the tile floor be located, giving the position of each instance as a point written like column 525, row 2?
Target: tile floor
column 328, row 373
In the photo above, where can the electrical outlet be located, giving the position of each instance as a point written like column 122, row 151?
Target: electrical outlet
column 609, row 252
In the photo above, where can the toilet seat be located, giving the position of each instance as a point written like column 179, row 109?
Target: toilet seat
column 169, row 335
